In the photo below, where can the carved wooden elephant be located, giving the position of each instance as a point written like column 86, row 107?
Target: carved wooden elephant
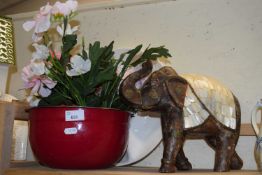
column 191, row 106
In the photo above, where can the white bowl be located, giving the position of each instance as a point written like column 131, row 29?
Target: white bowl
column 144, row 136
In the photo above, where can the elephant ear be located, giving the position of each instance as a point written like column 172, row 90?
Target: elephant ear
column 177, row 87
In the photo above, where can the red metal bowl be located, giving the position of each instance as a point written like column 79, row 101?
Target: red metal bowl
column 98, row 141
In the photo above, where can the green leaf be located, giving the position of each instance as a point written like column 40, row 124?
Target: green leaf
column 104, row 75
column 65, row 25
column 93, row 101
column 95, row 52
column 84, row 54
column 100, row 61
column 152, row 54
column 77, row 81
column 131, row 54
column 54, row 99
column 69, row 41
column 110, row 90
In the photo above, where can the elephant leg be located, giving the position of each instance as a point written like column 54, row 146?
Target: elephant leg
column 182, row 162
column 225, row 148
column 173, row 139
column 236, row 162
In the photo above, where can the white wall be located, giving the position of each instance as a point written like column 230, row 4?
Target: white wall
column 221, row 38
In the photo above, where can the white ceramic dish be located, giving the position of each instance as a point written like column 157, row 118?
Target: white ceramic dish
column 144, row 135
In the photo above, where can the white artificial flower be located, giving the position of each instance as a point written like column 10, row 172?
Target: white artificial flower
column 37, row 68
column 69, row 29
column 43, row 91
column 41, row 53
column 79, row 66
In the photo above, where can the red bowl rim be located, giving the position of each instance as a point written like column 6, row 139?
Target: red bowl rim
column 86, row 107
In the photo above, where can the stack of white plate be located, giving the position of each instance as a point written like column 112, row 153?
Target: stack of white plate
column 144, row 136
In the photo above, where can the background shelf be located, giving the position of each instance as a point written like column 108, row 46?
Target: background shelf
column 30, row 168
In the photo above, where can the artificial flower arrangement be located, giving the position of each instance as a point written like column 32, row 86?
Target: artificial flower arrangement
column 89, row 78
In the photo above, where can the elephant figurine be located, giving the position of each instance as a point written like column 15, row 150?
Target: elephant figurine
column 191, row 106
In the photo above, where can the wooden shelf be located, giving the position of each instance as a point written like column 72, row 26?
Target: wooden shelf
column 16, row 110
column 33, row 168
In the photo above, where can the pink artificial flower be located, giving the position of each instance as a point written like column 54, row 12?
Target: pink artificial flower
column 34, row 68
column 64, row 9
column 45, row 10
column 41, row 22
column 37, row 82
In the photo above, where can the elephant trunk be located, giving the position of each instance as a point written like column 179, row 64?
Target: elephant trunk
column 128, row 88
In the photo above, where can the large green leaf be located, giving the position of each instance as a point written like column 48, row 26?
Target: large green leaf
column 100, row 63
column 69, row 41
column 152, row 54
column 131, row 54
column 104, row 75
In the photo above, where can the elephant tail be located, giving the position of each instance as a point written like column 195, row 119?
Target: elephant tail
column 238, row 114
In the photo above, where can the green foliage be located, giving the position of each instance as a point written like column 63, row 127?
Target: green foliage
column 99, row 86
column 152, row 54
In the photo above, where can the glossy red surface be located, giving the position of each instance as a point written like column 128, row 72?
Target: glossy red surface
column 99, row 142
